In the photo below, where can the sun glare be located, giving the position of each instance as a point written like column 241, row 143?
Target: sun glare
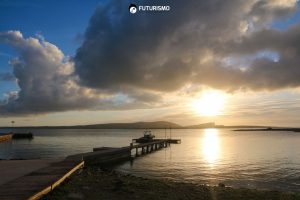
column 210, row 145
column 210, row 103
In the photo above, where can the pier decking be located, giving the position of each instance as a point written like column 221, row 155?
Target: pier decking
column 35, row 184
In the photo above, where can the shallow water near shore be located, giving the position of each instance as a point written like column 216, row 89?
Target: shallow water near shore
column 264, row 160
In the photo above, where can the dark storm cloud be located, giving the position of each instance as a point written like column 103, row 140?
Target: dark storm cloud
column 165, row 51
column 145, row 50
column 265, row 73
column 266, row 9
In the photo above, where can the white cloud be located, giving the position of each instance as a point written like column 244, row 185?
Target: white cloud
column 46, row 80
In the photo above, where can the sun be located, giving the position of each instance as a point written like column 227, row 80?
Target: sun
column 210, row 103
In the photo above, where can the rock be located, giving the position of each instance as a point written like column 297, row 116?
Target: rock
column 86, row 187
column 75, row 196
column 221, row 185
column 118, row 185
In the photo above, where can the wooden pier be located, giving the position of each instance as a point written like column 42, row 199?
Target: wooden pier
column 38, row 183
column 10, row 136
column 22, row 136
column 103, row 156
column 144, row 148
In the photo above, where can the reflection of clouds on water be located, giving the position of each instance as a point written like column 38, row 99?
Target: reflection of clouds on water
column 211, row 146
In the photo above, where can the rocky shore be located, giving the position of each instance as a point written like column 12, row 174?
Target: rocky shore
column 96, row 183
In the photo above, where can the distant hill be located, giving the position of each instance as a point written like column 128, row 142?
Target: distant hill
column 136, row 125
column 205, row 125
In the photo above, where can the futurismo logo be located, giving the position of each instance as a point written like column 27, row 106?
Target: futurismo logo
column 154, row 8
column 132, row 8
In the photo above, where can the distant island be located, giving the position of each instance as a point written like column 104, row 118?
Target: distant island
column 138, row 125
column 269, row 129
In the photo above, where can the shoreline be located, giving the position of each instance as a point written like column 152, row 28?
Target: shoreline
column 98, row 183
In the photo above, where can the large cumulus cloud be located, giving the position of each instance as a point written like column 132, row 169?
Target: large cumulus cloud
column 188, row 45
column 47, row 83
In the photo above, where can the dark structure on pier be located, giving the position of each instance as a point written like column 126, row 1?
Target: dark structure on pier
column 22, row 136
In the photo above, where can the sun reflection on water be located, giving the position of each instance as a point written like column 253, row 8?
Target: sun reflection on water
column 211, row 146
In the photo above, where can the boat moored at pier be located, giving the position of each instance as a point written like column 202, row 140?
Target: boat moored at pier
column 148, row 137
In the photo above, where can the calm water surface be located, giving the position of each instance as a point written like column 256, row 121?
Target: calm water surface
column 268, row 160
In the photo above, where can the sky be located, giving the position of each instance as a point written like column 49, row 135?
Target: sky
column 83, row 62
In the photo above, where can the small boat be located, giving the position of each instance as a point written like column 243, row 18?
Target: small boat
column 148, row 137
column 28, row 135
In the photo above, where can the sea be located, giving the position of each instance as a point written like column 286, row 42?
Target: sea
column 256, row 159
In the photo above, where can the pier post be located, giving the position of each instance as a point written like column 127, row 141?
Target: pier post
column 136, row 151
